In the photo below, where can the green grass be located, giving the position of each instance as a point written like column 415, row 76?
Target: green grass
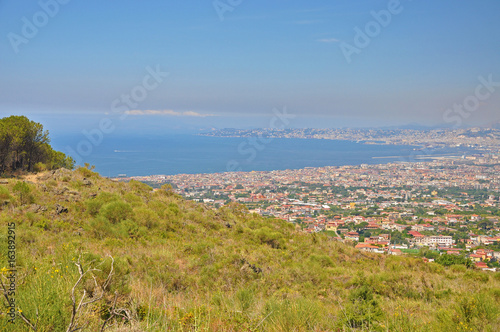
column 410, row 251
column 180, row 266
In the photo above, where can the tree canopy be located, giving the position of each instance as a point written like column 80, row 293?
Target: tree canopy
column 24, row 145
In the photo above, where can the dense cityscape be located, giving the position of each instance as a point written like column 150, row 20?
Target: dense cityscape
column 471, row 137
column 447, row 205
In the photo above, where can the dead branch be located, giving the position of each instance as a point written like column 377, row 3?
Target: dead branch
column 83, row 302
column 114, row 312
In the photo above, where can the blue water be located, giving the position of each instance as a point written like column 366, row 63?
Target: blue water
column 176, row 154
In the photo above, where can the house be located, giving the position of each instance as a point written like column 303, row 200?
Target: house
column 424, row 227
column 396, row 252
column 476, row 257
column 482, row 266
column 484, row 239
column 441, row 240
column 475, row 217
column 372, row 226
column 352, row 236
column 333, row 225
column 400, row 228
column 484, row 253
column 416, row 234
column 417, row 238
column 399, row 246
column 369, row 248
column 384, row 237
column 428, row 228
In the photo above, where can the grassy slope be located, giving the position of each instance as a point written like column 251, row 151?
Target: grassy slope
column 179, row 266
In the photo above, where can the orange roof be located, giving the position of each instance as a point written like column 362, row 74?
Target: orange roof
column 364, row 245
column 415, row 234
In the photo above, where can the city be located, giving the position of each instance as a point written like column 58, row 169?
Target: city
column 484, row 138
column 448, row 205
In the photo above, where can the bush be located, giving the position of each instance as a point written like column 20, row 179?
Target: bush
column 448, row 260
column 362, row 310
column 146, row 217
column 116, row 211
column 131, row 230
column 40, row 167
column 23, row 190
column 267, row 236
column 101, row 228
column 458, row 268
column 321, row 260
column 4, row 194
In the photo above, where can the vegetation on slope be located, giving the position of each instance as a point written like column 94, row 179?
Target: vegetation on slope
column 179, row 266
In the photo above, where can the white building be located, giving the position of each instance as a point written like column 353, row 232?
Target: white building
column 441, row 240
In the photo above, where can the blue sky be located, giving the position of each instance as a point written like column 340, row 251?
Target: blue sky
column 233, row 72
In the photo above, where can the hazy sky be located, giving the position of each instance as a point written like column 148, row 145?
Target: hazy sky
column 70, row 63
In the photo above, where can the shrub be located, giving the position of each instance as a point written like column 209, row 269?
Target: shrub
column 321, row 260
column 40, row 167
column 448, row 260
column 4, row 194
column 268, row 236
column 140, row 186
column 146, row 217
column 362, row 310
column 116, row 211
column 87, row 171
column 458, row 268
column 101, row 228
column 24, row 192
column 131, row 230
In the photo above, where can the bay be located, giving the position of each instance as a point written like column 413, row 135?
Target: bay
column 177, row 154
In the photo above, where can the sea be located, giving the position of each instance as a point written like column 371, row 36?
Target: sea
column 172, row 154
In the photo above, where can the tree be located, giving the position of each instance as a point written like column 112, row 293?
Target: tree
column 486, row 224
column 24, row 143
column 6, row 140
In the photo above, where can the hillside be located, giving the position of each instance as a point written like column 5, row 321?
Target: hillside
column 163, row 263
